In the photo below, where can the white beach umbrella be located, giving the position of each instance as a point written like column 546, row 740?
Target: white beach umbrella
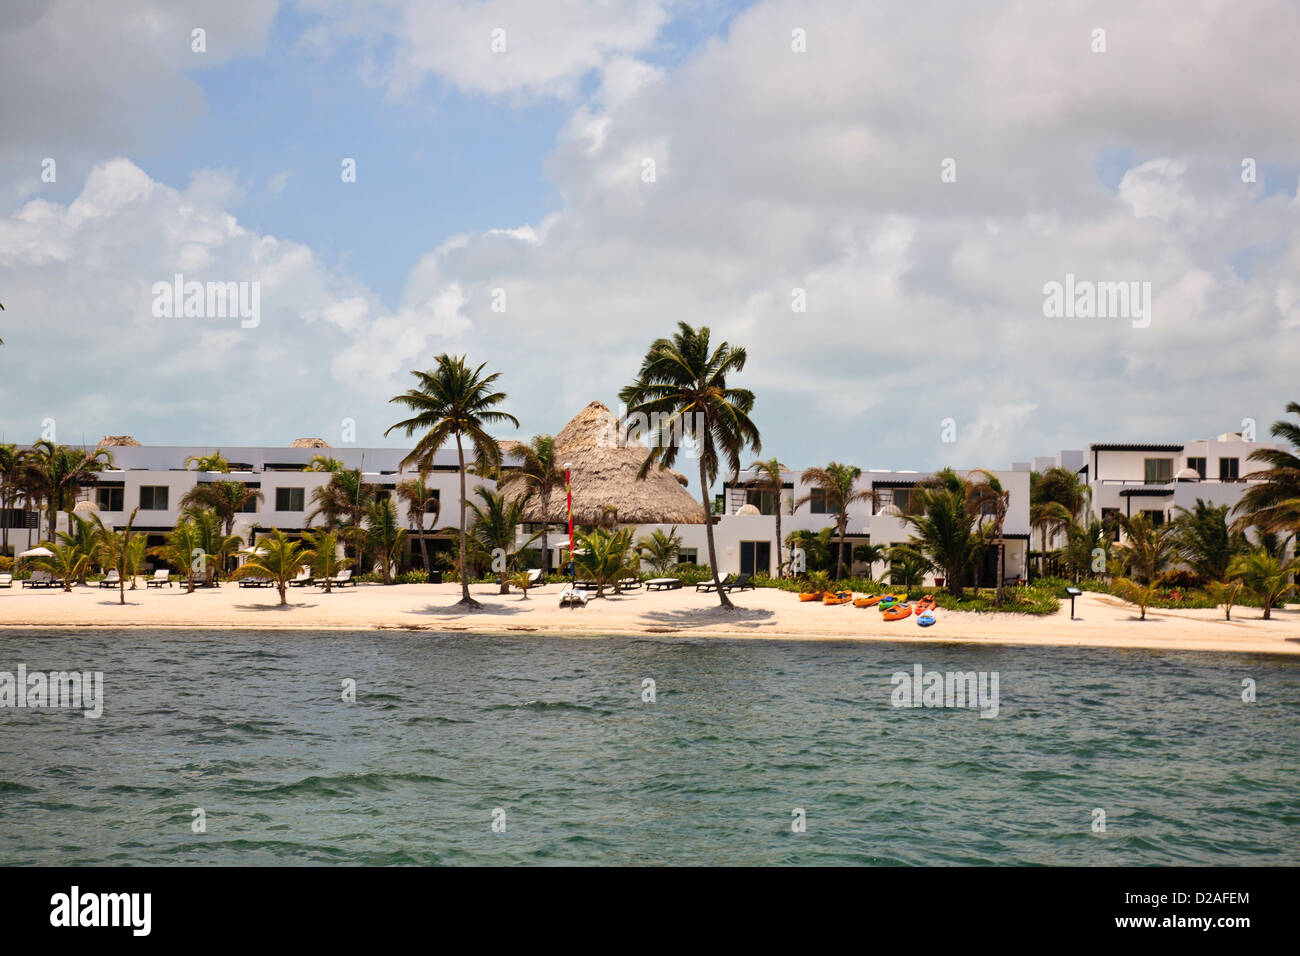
column 37, row 553
column 85, row 509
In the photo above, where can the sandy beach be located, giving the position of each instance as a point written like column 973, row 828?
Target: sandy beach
column 1101, row 621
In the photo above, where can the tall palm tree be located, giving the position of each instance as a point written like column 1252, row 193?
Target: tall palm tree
column 947, row 531
column 226, row 498
column 213, row 462
column 836, row 483
column 769, row 478
column 343, row 500
column 279, row 561
column 213, row 543
column 382, row 535
column 1146, row 551
column 683, row 385
column 492, row 535
column 1274, row 503
column 114, row 551
column 453, row 400
column 420, row 501
column 993, row 501
column 1204, row 540
column 1265, row 575
column 1057, row 497
column 816, row 546
column 57, row 474
column 11, row 487
column 539, row 473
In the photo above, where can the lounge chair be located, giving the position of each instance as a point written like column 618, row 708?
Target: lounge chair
column 535, row 578
column 6, row 580
column 160, row 577
column 742, row 583
column 663, row 584
column 571, row 597
column 303, row 579
column 629, row 584
column 710, row 586
column 342, row 579
column 585, row 586
column 111, row 580
column 251, row 582
column 39, row 579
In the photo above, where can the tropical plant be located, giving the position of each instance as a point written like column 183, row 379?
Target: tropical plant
column 81, row 536
column 211, row 540
column 1057, row 498
column 539, row 473
column 11, row 488
column 1146, row 551
column 1225, row 593
column 869, row 554
column 660, row 548
column 1204, row 540
column 343, row 500
column 382, row 536
column 1269, row 577
column 183, row 550
column 769, row 479
column 326, row 562
column 491, row 539
column 420, row 501
column 213, row 462
column 682, row 389
column 605, row 557
column 279, row 561
column 993, row 501
column 323, row 463
column 115, row 550
column 947, row 530
column 66, row 562
column 836, row 483
column 1272, row 501
column 813, row 546
column 226, row 497
column 454, row 401
column 57, row 473
column 1085, row 543
column 907, row 567
column 523, row 581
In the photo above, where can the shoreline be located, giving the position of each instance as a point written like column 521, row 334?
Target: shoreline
column 1101, row 621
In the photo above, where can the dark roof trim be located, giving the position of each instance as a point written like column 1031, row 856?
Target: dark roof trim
column 1146, row 493
column 895, row 483
column 1120, row 446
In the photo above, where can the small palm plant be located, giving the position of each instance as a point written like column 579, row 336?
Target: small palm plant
column 523, row 581
column 492, row 538
column 660, row 549
column 115, row 550
column 382, row 536
column 1147, row 550
column 326, row 564
column 605, row 557
column 184, row 551
column 1266, row 575
column 279, row 561
column 66, row 563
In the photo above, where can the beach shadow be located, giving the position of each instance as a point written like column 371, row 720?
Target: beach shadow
column 712, row 617
column 118, row 604
column 455, row 610
column 273, row 607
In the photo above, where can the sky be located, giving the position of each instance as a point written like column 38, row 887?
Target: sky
column 872, row 199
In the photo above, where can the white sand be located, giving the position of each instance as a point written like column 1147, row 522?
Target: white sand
column 1102, row 621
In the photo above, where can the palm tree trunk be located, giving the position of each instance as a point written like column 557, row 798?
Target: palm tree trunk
column 843, row 524
column 464, row 576
column 708, row 533
column 997, row 597
column 779, row 573
column 546, row 527
column 280, row 586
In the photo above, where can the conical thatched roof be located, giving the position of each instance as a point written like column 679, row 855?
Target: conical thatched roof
column 605, row 475
column 310, row 443
column 118, row 441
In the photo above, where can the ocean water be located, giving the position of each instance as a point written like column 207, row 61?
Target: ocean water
column 553, row 736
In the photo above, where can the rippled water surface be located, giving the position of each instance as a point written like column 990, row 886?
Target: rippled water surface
column 250, row 727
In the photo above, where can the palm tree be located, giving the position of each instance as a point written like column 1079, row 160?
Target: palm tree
column 326, row 563
column 184, row 550
column 420, row 501
column 1274, row 503
column 539, row 473
column 214, row 462
column 869, row 554
column 606, row 557
column 836, row 483
column 211, row 541
column 682, row 385
column 815, row 545
column 57, row 473
column 324, row 463
column 907, row 567
column 11, row 487
column 944, row 513
column 992, row 500
column 114, row 550
column 660, row 549
column 80, row 535
column 279, row 561
column 67, row 562
column 382, row 535
column 491, row 536
column 1205, row 542
column 768, row 479
column 1265, row 575
column 1084, row 540
column 1146, row 551
column 343, row 500
column 226, row 498
column 1057, row 497
column 454, row 400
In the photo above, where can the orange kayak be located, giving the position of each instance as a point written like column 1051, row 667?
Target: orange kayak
column 868, row 601
column 926, row 603
column 832, row 598
column 810, row 596
column 896, row 613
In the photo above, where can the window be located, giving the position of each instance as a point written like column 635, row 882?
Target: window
column 153, row 497
column 902, row 498
column 1159, row 470
column 249, row 507
column 1228, row 469
column 817, row 501
column 1155, row 518
column 433, row 502
column 688, row 556
column 110, row 499
column 1197, row 465
column 764, row 501
column 289, row 499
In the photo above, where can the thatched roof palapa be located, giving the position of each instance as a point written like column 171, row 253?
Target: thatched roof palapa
column 118, row 441
column 310, row 443
column 604, row 474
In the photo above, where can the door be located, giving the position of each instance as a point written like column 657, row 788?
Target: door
column 756, row 557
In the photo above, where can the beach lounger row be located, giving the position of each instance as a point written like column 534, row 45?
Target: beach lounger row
column 6, row 580
column 731, row 582
column 40, row 579
column 663, row 584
